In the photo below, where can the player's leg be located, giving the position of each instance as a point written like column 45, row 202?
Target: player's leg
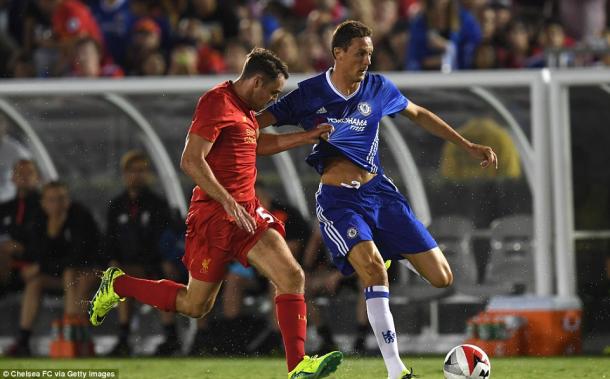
column 171, row 344
column 432, row 266
column 401, row 234
column 35, row 283
column 122, row 349
column 370, row 268
column 194, row 300
column 272, row 258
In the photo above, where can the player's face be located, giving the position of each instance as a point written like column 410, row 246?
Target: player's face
column 356, row 59
column 25, row 176
column 266, row 91
column 55, row 201
column 136, row 175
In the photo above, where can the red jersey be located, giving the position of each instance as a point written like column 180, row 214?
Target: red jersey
column 73, row 19
column 223, row 118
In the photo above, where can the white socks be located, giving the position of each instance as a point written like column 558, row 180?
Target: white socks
column 382, row 322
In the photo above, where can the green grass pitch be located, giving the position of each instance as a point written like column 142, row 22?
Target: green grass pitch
column 352, row 367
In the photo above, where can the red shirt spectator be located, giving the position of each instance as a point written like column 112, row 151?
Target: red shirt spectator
column 72, row 19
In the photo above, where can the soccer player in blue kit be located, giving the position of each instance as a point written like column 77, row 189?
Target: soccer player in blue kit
column 363, row 217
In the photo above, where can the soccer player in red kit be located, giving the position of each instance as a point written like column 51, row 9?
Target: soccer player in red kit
column 225, row 221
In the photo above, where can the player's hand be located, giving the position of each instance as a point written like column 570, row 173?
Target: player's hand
column 239, row 214
column 321, row 131
column 485, row 154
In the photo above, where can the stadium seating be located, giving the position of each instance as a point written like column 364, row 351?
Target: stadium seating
column 511, row 264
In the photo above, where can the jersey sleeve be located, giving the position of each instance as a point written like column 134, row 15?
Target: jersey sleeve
column 393, row 100
column 210, row 117
column 287, row 110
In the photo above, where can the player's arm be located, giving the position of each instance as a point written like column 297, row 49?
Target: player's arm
column 435, row 125
column 265, row 119
column 193, row 164
column 269, row 144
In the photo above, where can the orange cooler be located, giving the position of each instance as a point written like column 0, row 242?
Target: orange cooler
column 552, row 323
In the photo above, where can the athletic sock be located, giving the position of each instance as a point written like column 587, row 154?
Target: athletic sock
column 382, row 322
column 291, row 316
column 160, row 294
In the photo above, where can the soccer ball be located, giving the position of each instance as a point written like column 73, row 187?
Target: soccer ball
column 467, row 361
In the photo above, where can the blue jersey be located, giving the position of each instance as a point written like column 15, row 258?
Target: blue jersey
column 355, row 118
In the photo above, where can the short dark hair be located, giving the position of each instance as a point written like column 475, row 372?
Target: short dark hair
column 346, row 31
column 265, row 62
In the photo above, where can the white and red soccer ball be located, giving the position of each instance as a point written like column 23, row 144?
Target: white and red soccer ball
column 467, row 361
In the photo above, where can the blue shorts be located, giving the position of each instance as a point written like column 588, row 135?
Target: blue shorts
column 374, row 212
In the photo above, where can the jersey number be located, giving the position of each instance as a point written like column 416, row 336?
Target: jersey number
column 262, row 213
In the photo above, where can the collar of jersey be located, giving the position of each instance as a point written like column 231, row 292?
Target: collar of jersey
column 335, row 90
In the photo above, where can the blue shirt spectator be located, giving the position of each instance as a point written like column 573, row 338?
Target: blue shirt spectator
column 460, row 43
column 115, row 20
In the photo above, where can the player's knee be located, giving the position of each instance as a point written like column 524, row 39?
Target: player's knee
column 294, row 280
column 375, row 274
column 444, row 279
column 199, row 310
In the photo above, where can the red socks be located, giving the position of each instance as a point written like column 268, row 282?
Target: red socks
column 158, row 293
column 292, row 318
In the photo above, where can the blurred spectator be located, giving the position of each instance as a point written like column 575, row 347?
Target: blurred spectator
column 457, row 165
column 235, row 56
column 87, row 61
column 18, row 217
column 361, row 10
column 146, row 40
column 21, row 65
column 218, row 18
column 552, row 40
column 485, row 57
column 11, row 151
column 605, row 58
column 487, row 20
column 158, row 11
column 251, row 33
column 444, row 37
column 392, row 49
column 328, row 12
column 153, row 65
column 37, row 39
column 408, row 9
column 312, row 50
column 518, row 52
column 503, row 18
column 584, row 19
column 284, row 44
column 184, row 60
column 7, row 46
column 115, row 20
column 137, row 219
column 386, row 16
column 72, row 20
column 63, row 249
column 192, row 33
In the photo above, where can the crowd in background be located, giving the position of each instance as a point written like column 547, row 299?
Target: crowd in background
column 116, row 38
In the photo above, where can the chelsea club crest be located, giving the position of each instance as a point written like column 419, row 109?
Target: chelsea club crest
column 364, row 108
column 352, row 232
